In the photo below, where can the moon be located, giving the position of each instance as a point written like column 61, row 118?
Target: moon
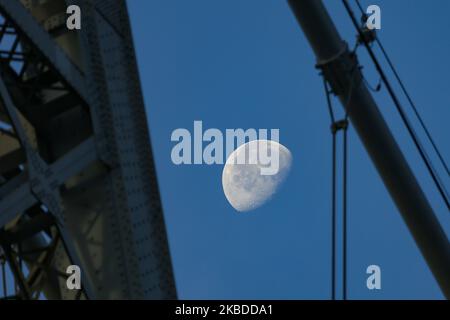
column 244, row 185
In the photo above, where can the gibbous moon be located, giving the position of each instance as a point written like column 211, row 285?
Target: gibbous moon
column 243, row 184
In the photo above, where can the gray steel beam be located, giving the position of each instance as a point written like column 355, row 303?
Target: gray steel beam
column 16, row 195
column 112, row 220
column 133, row 261
column 340, row 70
column 75, row 161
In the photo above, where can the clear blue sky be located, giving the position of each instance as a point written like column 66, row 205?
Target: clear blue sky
column 246, row 64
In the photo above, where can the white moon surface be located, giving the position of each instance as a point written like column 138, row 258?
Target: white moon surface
column 243, row 184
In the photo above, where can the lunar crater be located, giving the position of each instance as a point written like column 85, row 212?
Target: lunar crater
column 244, row 186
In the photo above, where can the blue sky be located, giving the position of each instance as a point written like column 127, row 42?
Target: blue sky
column 246, row 64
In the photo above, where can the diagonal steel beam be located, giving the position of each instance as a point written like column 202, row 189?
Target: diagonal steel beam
column 16, row 195
column 340, row 69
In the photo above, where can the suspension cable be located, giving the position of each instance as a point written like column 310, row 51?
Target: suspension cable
column 333, row 195
column 408, row 97
column 335, row 127
column 344, row 210
column 431, row 170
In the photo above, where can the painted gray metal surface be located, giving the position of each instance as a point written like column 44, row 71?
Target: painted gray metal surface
column 91, row 164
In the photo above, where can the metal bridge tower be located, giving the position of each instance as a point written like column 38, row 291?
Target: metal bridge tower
column 77, row 178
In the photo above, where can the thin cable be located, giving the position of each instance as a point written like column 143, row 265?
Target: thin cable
column 377, row 88
column 333, row 195
column 333, row 220
column 344, row 214
column 413, row 135
column 408, row 97
column 335, row 127
column 360, row 7
column 344, row 127
column 413, row 106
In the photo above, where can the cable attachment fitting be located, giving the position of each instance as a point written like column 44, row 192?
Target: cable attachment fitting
column 339, row 125
column 343, row 63
column 367, row 35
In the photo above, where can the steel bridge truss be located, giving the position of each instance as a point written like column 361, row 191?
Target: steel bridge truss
column 77, row 180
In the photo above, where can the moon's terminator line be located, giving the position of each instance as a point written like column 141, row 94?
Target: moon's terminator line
column 243, row 184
